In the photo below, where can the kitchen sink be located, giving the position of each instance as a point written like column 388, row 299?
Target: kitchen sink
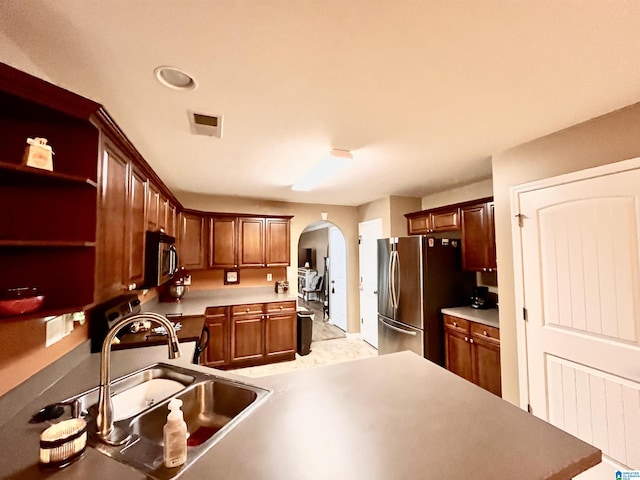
column 212, row 406
column 138, row 391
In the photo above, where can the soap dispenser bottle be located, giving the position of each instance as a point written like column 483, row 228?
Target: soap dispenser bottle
column 175, row 436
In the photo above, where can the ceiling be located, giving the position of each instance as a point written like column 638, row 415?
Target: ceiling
column 421, row 92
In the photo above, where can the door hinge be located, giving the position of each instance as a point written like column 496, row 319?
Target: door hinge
column 359, row 239
column 520, row 218
column 529, row 409
column 362, row 321
column 525, row 316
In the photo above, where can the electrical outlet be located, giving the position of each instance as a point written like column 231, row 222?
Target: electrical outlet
column 269, row 277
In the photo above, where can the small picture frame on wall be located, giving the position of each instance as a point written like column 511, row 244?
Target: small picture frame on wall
column 231, row 277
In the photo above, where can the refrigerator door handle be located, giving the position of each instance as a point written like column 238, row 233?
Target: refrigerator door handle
column 396, row 278
column 400, row 330
column 392, row 279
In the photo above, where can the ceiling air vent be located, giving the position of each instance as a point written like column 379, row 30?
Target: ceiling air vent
column 202, row 124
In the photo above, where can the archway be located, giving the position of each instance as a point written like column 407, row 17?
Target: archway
column 322, row 271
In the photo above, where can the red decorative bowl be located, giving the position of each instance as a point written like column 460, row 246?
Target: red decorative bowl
column 16, row 301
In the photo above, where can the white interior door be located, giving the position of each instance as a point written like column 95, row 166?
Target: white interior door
column 369, row 231
column 338, row 278
column 579, row 254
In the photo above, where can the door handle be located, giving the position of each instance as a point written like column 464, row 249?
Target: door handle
column 400, row 330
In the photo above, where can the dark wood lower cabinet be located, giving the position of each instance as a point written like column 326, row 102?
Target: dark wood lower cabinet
column 217, row 353
column 473, row 352
column 251, row 334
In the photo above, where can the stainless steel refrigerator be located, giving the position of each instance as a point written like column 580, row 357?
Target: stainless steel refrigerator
column 418, row 276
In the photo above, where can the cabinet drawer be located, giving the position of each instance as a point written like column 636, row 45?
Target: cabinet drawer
column 455, row 323
column 485, row 332
column 281, row 307
column 249, row 309
column 213, row 313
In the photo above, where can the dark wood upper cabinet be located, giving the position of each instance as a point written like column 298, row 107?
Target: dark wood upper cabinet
column 277, row 249
column 113, row 219
column 223, row 242
column 192, row 253
column 153, row 208
column 445, row 219
column 478, row 239
column 136, row 226
column 251, row 236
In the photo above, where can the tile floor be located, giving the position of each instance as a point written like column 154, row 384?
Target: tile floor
column 324, row 352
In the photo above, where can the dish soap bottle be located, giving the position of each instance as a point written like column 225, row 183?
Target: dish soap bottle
column 175, row 436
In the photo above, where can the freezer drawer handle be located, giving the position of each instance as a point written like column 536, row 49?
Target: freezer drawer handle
column 406, row 332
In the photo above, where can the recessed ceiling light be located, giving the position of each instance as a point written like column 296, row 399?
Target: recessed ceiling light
column 175, row 78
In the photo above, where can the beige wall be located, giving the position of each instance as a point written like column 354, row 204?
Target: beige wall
column 345, row 218
column 12, row 55
column 464, row 193
column 398, row 206
column 603, row 140
column 380, row 208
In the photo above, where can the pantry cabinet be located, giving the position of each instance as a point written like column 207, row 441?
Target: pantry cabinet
column 472, row 351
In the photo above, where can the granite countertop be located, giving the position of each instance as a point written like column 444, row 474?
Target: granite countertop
column 395, row 416
column 196, row 301
column 486, row 317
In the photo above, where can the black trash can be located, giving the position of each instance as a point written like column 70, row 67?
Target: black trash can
column 305, row 331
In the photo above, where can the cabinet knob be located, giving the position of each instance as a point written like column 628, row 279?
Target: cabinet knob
column 455, row 324
column 484, row 332
column 247, row 310
column 466, row 339
column 471, row 340
column 267, row 317
column 281, row 307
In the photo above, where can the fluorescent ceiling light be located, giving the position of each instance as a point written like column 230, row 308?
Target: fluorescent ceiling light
column 324, row 169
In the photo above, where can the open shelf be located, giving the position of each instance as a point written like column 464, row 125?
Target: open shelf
column 12, row 173
column 46, row 244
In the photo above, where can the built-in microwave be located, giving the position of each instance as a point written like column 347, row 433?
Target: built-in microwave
column 161, row 258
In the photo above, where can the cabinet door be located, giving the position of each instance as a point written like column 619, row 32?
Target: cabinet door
column 192, row 254
column 163, row 206
column 277, row 242
column 247, row 338
column 251, row 238
column 492, row 263
column 223, row 251
column 458, row 353
column 475, row 227
column 136, row 226
column 280, row 334
column 486, row 357
column 486, row 365
column 153, row 207
column 172, row 220
column 218, row 350
column 111, row 274
column 445, row 221
column 419, row 225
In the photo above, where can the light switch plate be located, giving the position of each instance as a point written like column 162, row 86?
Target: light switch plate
column 269, row 277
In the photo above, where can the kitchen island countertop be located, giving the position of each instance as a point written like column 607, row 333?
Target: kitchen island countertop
column 196, row 301
column 395, row 416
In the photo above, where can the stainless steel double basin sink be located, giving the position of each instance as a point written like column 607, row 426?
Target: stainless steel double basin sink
column 212, row 406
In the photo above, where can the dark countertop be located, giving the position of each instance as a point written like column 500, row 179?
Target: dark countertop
column 486, row 317
column 189, row 332
column 196, row 301
column 394, row 416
